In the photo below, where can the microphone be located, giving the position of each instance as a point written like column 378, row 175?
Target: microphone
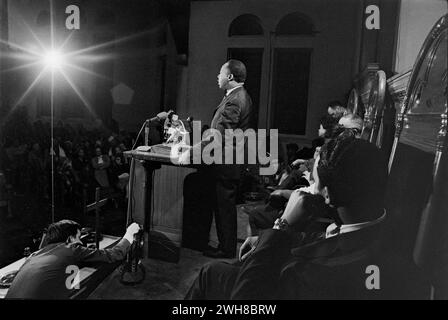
column 153, row 119
column 161, row 116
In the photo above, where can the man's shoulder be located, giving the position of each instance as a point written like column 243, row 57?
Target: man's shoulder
column 241, row 98
column 50, row 250
column 239, row 94
column 122, row 243
column 351, row 246
column 58, row 253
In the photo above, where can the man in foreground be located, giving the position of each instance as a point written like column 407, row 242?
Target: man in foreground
column 297, row 260
column 44, row 274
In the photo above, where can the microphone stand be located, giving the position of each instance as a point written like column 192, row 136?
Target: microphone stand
column 132, row 270
column 139, row 133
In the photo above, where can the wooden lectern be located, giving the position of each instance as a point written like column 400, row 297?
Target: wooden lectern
column 156, row 201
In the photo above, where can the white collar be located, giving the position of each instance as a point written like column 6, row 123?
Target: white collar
column 309, row 189
column 234, row 88
column 332, row 229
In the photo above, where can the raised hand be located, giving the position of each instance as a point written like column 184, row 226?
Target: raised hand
column 247, row 247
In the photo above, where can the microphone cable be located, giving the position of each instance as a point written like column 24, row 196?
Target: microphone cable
column 139, row 133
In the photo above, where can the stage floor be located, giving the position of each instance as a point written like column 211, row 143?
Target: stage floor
column 164, row 280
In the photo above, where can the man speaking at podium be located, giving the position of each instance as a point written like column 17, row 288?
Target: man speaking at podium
column 234, row 112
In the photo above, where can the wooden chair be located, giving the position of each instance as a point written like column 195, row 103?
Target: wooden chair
column 353, row 101
column 415, row 240
column 373, row 113
column 417, row 198
column 95, row 206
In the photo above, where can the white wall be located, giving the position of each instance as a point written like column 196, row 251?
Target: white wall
column 417, row 17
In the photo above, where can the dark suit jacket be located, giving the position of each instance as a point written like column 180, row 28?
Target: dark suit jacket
column 43, row 275
column 333, row 268
column 234, row 111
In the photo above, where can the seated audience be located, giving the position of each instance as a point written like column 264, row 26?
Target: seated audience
column 308, row 153
column 327, row 127
column 81, row 167
column 44, row 274
column 37, row 162
column 119, row 170
column 57, row 152
column 25, row 159
column 83, row 173
column 263, row 216
column 352, row 121
column 291, row 152
column 100, row 164
column 336, row 109
column 295, row 262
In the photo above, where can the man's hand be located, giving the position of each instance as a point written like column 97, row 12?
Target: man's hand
column 307, row 175
column 131, row 231
column 278, row 192
column 282, row 193
column 163, row 115
column 184, row 158
column 302, row 206
column 297, row 162
column 247, row 247
column 133, row 228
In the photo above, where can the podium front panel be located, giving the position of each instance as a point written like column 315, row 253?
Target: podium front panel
column 167, row 212
column 139, row 194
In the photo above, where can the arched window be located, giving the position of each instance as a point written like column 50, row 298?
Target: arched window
column 295, row 24
column 43, row 19
column 245, row 25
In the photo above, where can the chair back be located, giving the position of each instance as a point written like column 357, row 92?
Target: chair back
column 373, row 113
column 353, row 101
column 417, row 197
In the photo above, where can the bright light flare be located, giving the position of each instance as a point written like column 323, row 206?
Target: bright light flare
column 53, row 59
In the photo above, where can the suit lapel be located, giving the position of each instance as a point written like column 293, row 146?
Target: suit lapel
column 218, row 111
column 224, row 100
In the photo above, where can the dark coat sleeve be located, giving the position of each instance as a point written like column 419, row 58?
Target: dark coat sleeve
column 293, row 180
column 259, row 275
column 114, row 254
column 230, row 116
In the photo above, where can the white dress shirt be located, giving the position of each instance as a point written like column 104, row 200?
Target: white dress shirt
column 310, row 189
column 332, row 229
column 230, row 90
